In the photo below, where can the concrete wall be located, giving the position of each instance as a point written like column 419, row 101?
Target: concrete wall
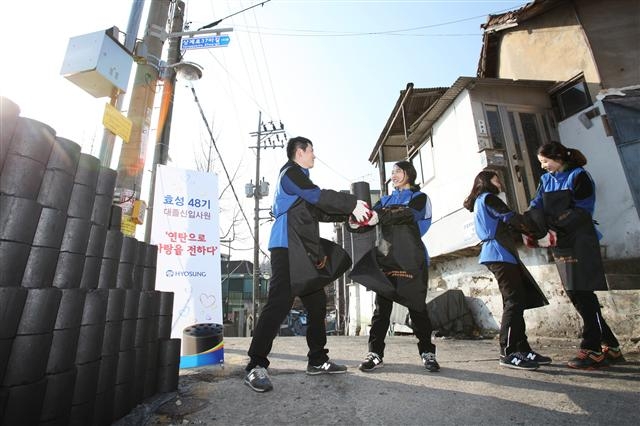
column 621, row 309
column 530, row 50
column 615, row 210
column 361, row 306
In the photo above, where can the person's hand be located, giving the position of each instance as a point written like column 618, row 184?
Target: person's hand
column 361, row 212
column 549, row 240
column 529, row 241
column 374, row 219
column 353, row 224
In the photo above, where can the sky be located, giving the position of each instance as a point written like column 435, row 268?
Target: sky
column 329, row 70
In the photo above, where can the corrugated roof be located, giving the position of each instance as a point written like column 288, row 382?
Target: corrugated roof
column 411, row 104
column 434, row 103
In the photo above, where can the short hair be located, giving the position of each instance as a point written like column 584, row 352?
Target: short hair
column 294, row 143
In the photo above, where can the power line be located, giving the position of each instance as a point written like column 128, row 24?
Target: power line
column 224, row 167
column 328, row 33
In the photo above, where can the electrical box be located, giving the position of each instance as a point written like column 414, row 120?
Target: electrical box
column 264, row 188
column 97, row 63
column 493, row 158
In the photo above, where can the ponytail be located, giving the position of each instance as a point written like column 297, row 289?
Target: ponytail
column 556, row 151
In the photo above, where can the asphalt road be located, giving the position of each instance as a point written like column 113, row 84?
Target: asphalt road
column 470, row 389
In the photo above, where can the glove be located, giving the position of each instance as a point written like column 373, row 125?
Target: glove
column 352, row 224
column 361, row 212
column 549, row 240
column 373, row 220
column 529, row 242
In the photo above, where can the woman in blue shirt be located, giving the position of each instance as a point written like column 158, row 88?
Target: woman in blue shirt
column 566, row 195
column 494, row 221
column 397, row 269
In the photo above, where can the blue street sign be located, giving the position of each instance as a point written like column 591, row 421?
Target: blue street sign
column 205, row 42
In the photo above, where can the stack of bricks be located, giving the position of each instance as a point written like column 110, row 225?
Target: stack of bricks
column 84, row 335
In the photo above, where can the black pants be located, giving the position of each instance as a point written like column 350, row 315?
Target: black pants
column 513, row 337
column 380, row 324
column 279, row 301
column 595, row 330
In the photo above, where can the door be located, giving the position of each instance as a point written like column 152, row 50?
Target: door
column 522, row 132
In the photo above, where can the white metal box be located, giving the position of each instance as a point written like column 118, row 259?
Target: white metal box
column 97, row 63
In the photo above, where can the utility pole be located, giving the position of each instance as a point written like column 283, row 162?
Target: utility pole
column 132, row 155
column 117, row 98
column 161, row 151
column 259, row 190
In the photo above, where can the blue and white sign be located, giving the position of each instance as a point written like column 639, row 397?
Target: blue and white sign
column 186, row 231
column 205, row 42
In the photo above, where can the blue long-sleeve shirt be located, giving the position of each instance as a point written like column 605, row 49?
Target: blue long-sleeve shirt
column 293, row 183
column 489, row 211
column 576, row 180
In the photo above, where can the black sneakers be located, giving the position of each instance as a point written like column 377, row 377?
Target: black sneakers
column 371, row 362
column 589, row 360
column 518, row 361
column 326, row 368
column 540, row 359
column 429, row 361
column 258, row 380
column 613, row 355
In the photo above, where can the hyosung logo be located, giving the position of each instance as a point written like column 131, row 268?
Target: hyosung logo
column 189, row 274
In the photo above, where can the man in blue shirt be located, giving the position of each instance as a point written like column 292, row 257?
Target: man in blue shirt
column 302, row 263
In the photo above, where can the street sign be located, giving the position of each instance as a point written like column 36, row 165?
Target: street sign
column 205, row 42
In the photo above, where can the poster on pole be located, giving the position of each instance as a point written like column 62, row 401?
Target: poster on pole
column 185, row 219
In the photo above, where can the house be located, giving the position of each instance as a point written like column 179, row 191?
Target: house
column 552, row 70
column 237, row 295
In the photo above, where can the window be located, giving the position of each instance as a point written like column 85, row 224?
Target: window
column 495, row 127
column 571, row 98
column 423, row 162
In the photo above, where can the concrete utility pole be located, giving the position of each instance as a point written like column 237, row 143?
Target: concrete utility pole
column 117, row 98
column 259, row 190
column 132, row 155
column 161, row 151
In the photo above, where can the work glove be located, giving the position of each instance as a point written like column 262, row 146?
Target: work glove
column 353, row 224
column 373, row 220
column 548, row 240
column 361, row 212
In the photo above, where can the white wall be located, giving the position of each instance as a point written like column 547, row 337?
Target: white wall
column 456, row 163
column 361, row 306
column 615, row 211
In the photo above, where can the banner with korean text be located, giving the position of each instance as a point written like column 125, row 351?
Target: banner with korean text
column 185, row 228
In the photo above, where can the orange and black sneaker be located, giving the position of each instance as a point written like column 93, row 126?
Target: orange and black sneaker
column 613, row 354
column 588, row 360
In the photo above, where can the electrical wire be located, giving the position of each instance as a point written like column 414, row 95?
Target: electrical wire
column 326, row 33
column 224, row 167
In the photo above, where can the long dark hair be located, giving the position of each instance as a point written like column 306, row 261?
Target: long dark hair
column 482, row 183
column 294, row 143
column 556, row 151
column 410, row 172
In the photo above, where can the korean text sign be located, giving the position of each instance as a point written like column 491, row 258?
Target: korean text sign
column 185, row 229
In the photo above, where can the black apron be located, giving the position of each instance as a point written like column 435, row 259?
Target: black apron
column 577, row 254
column 314, row 262
column 534, row 297
column 396, row 268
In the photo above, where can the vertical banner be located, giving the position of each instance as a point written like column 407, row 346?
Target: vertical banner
column 185, row 229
